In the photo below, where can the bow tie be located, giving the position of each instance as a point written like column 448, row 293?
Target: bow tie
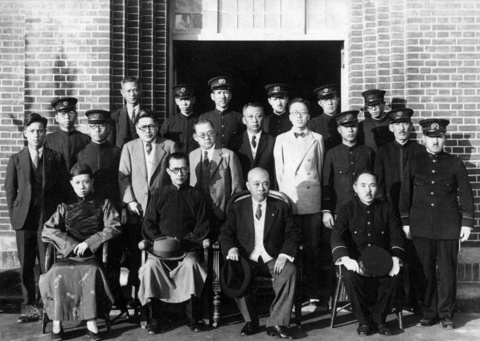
column 299, row 134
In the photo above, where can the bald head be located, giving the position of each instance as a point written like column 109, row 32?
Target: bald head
column 258, row 183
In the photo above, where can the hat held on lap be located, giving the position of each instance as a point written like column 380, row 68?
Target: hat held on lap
column 375, row 261
column 235, row 277
column 167, row 248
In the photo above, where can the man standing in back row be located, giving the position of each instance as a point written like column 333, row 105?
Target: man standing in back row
column 279, row 121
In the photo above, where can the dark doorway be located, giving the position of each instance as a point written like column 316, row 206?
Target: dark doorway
column 304, row 65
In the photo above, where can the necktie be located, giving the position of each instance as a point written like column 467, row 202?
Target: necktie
column 134, row 114
column 206, row 162
column 254, row 141
column 258, row 214
column 35, row 159
column 299, row 134
column 149, row 148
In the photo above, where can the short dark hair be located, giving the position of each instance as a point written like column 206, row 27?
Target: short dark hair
column 177, row 156
column 146, row 113
column 253, row 105
column 203, row 121
column 299, row 100
column 34, row 117
column 366, row 171
column 130, row 79
column 80, row 168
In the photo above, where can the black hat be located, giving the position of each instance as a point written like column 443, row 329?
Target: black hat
column 277, row 89
column 375, row 261
column 184, row 90
column 235, row 277
column 400, row 115
column 434, row 126
column 97, row 116
column 64, row 103
column 167, row 248
column 398, row 103
column 373, row 96
column 347, row 118
column 326, row 91
column 220, row 82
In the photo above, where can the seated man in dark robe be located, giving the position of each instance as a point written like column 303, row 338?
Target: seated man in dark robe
column 179, row 211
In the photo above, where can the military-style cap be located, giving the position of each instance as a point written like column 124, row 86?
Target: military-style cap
column 184, row 90
column 220, row 82
column 347, row 118
column 400, row 115
column 434, row 126
column 64, row 103
column 277, row 89
column 373, row 96
column 326, row 91
column 97, row 116
column 398, row 103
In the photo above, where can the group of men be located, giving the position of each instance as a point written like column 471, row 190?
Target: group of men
column 352, row 188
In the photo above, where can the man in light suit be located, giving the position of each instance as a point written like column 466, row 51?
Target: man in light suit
column 254, row 147
column 262, row 230
column 214, row 170
column 142, row 169
column 123, row 120
column 298, row 157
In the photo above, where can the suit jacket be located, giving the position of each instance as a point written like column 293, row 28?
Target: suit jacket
column 123, row 129
column 299, row 170
column 18, row 187
column 225, row 177
column 263, row 158
column 281, row 235
column 132, row 177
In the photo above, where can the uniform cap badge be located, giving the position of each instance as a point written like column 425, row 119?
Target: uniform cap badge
column 65, row 103
column 400, row 113
column 325, row 90
column 221, row 81
column 434, row 126
column 276, row 89
column 370, row 97
column 349, row 117
column 182, row 90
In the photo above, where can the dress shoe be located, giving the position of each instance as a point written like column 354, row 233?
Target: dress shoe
column 196, row 326
column 383, row 329
column 94, row 336
column 447, row 323
column 279, row 331
column 154, row 327
column 249, row 328
column 427, row 322
column 57, row 336
column 363, row 329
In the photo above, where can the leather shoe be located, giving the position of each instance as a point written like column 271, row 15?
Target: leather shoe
column 363, row 329
column 427, row 322
column 196, row 326
column 57, row 336
column 94, row 336
column 383, row 329
column 447, row 323
column 248, row 329
column 154, row 327
column 279, row 331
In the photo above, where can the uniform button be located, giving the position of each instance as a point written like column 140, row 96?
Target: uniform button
column 433, row 170
column 369, row 244
column 223, row 126
column 433, row 204
column 433, row 182
column 223, row 135
column 383, row 232
column 369, row 234
column 368, row 223
column 368, row 211
column 434, row 160
column 355, row 232
column 351, row 163
column 431, row 193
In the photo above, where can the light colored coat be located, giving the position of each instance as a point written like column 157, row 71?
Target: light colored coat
column 132, row 177
column 225, row 177
column 298, row 167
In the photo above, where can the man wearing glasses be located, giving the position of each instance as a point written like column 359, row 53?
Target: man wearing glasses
column 374, row 131
column 298, row 155
column 216, row 171
column 67, row 140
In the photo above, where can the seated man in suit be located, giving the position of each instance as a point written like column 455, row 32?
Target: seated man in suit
column 262, row 230
column 178, row 211
column 362, row 225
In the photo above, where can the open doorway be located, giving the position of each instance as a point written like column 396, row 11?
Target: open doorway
column 304, row 65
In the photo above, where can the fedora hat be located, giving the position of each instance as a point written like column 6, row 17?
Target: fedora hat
column 235, row 277
column 167, row 248
column 375, row 261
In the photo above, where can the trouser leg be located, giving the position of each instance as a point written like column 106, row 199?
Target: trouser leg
column 357, row 290
column 386, row 294
column 447, row 276
column 284, row 287
column 27, row 252
column 415, row 290
column 427, row 253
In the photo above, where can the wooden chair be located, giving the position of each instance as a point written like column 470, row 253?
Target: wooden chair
column 51, row 257
column 258, row 283
column 341, row 296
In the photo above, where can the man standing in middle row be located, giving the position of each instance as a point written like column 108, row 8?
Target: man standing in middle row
column 298, row 157
column 279, row 121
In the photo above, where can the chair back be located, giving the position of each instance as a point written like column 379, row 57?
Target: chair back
column 245, row 194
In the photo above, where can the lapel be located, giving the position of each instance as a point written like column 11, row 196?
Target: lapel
column 216, row 161
column 123, row 119
column 271, row 212
column 262, row 145
column 25, row 162
column 139, row 158
column 46, row 164
column 195, row 161
column 159, row 153
column 249, row 217
column 246, row 149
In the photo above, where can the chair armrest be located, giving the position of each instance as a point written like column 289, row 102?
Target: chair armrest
column 105, row 253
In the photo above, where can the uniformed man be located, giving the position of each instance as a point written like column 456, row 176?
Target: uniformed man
column 390, row 162
column 279, row 121
column 179, row 128
column 226, row 122
column 324, row 124
column 67, row 140
column 362, row 225
column 437, row 208
column 374, row 131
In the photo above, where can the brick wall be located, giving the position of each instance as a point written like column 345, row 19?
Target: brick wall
column 428, row 52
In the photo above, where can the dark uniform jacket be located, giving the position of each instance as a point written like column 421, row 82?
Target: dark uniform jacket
column 342, row 165
column 326, row 126
column 67, row 143
column 123, row 129
column 177, row 212
column 436, row 199
column 277, row 124
column 227, row 124
column 104, row 160
column 179, row 129
column 281, row 235
column 359, row 226
column 263, row 158
column 390, row 162
column 375, row 133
